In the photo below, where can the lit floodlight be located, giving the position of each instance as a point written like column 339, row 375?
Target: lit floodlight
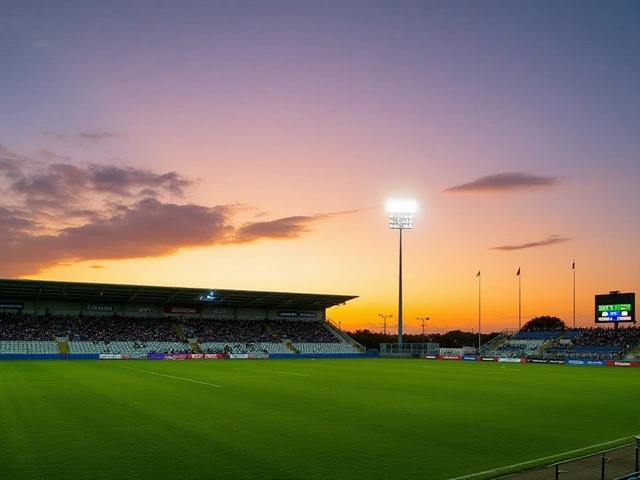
column 401, row 213
column 209, row 296
column 401, row 218
column 402, row 206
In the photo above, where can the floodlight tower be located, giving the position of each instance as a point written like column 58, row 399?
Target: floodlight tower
column 400, row 218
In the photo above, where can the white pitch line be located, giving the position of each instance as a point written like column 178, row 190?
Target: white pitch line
column 272, row 371
column 550, row 457
column 172, row 376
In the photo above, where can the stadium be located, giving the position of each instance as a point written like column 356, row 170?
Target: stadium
column 87, row 392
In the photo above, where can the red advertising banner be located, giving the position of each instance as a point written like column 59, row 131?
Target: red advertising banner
column 619, row 363
column 176, row 309
column 206, row 356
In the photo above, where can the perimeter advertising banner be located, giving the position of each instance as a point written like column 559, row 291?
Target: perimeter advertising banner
column 114, row 356
column 289, row 313
column 207, row 356
column 16, row 305
column 621, row 363
column 180, row 310
column 596, row 363
column 100, row 308
column 449, row 357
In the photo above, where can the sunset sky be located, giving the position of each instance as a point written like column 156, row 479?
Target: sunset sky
column 252, row 145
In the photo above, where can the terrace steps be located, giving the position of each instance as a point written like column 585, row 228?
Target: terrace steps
column 633, row 353
column 290, row 346
column 272, row 331
column 194, row 345
column 498, row 343
column 63, row 346
column 179, row 331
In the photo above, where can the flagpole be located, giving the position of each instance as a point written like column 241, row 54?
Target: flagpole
column 479, row 310
column 519, row 300
column 573, row 267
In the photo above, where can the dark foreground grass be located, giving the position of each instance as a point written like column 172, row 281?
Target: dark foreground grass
column 304, row 419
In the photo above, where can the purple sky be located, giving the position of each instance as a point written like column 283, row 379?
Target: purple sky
column 251, row 145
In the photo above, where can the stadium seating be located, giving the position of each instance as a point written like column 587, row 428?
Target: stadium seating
column 584, row 343
column 22, row 333
column 28, row 347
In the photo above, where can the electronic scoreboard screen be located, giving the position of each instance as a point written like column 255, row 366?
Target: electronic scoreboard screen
column 615, row 307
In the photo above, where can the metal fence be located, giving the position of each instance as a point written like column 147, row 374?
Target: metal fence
column 409, row 349
column 610, row 464
column 613, row 464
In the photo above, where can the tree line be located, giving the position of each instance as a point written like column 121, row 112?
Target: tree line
column 454, row 338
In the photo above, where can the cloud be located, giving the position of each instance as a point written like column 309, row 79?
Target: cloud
column 282, row 228
column 121, row 180
column 505, row 182
column 82, row 138
column 97, row 136
column 289, row 227
column 55, row 136
column 62, row 186
column 51, row 156
column 551, row 240
column 59, row 214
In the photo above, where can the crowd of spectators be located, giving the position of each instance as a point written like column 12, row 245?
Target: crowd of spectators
column 87, row 328
column 226, row 330
column 625, row 337
column 518, row 348
column 22, row 326
column 230, row 335
column 601, row 343
column 596, row 343
column 303, row 331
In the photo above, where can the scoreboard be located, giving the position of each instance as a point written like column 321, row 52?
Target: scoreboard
column 615, row 307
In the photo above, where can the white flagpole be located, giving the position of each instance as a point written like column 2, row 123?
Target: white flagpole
column 573, row 267
column 519, row 300
column 479, row 310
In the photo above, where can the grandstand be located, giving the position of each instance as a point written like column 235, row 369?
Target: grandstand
column 65, row 318
column 594, row 343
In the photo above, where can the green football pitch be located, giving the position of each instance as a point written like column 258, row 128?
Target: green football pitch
column 367, row 418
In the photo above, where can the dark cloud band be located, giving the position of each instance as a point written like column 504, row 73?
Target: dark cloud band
column 60, row 213
column 552, row 240
column 505, row 182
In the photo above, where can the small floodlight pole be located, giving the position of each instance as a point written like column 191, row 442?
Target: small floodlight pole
column 400, row 218
column 423, row 319
column 385, row 324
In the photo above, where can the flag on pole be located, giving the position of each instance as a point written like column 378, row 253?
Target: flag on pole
column 518, row 271
column 478, row 273
column 573, row 265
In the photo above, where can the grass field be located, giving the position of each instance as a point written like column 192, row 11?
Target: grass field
column 305, row 419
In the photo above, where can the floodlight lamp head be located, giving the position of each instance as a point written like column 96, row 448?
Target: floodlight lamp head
column 401, row 213
column 402, row 206
column 209, row 296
